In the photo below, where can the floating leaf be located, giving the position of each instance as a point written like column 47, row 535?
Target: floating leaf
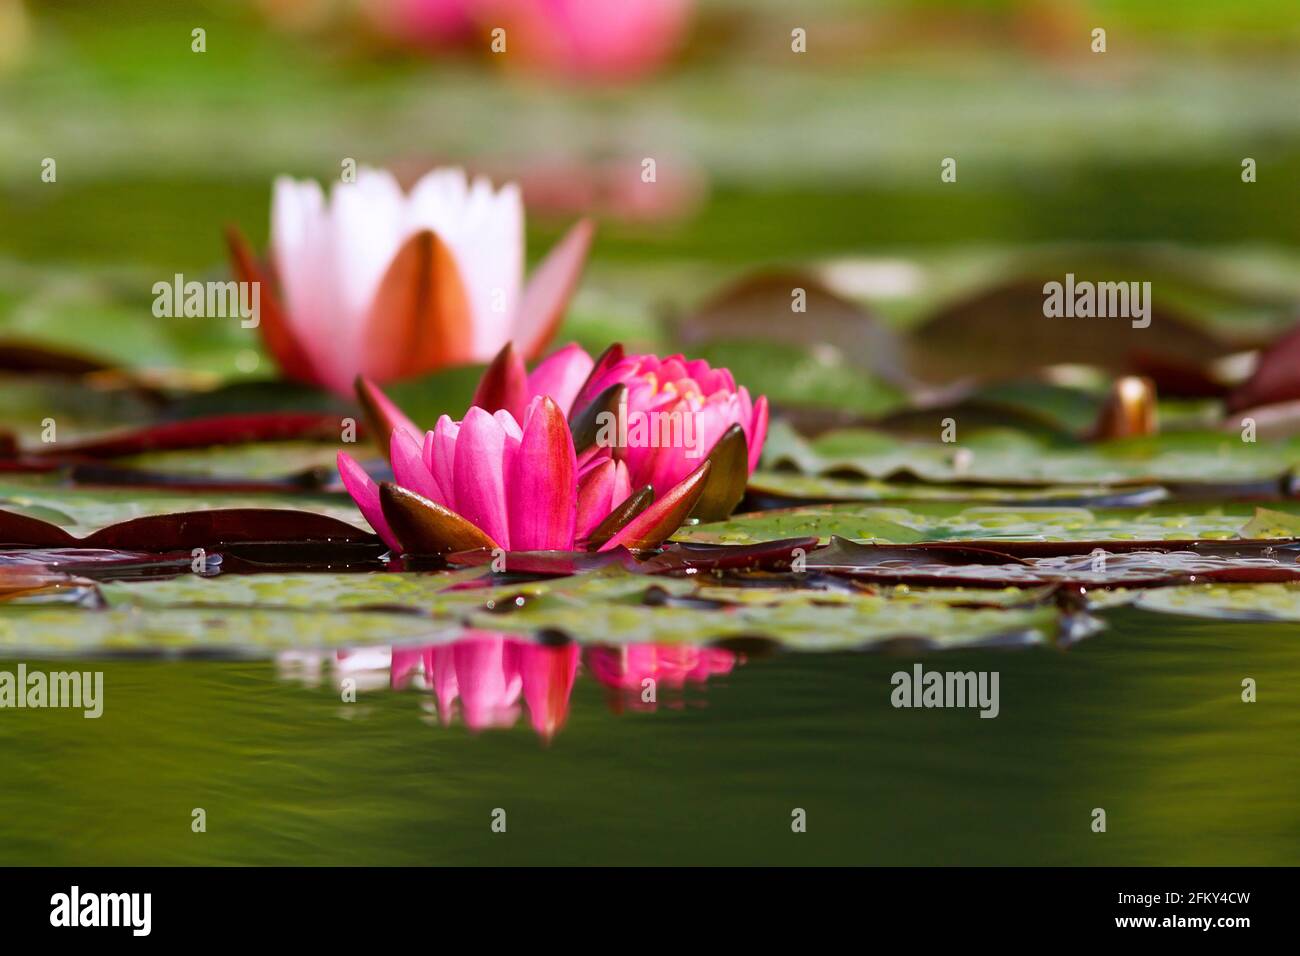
column 1139, row 566
column 186, row 530
column 763, row 308
column 1004, row 457
column 203, row 433
column 1272, row 524
column 223, row 632
column 784, row 488
column 1231, row 602
column 981, row 524
column 91, row 509
column 995, row 331
column 798, row 622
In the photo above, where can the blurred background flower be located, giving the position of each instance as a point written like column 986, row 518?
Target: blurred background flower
column 435, row 23
column 591, row 39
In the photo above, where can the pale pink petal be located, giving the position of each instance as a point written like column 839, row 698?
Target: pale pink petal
column 560, row 375
column 404, row 663
column 547, row 292
column 487, row 676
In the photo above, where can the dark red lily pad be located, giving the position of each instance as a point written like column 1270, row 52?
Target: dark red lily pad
column 1072, row 564
column 203, row 433
column 1276, row 377
column 995, row 331
column 546, row 563
column 767, row 556
column 207, row 529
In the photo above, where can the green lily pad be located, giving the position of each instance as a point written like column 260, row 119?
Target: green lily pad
column 898, row 525
column 998, row 456
column 233, row 632
column 1268, row 523
column 787, row 484
column 297, row 591
column 1235, row 602
column 799, row 620
column 249, row 615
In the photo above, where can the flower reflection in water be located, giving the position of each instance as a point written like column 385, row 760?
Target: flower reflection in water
column 488, row 679
column 637, row 674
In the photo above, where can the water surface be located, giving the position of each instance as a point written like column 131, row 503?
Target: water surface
column 1144, row 720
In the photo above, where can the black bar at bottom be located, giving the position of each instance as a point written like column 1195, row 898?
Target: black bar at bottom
column 304, row 905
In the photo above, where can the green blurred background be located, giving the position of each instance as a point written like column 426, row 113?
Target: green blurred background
column 764, row 156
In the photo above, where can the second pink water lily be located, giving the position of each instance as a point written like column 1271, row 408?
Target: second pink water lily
column 492, row 481
column 657, row 417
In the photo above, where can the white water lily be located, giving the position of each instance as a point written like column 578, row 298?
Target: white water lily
column 379, row 282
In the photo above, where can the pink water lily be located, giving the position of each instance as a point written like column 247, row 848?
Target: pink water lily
column 707, row 396
column 493, row 481
column 664, row 416
column 377, row 282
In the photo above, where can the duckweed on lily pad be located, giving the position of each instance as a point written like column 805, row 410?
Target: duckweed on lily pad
column 1000, row 456
column 898, row 525
column 1235, row 602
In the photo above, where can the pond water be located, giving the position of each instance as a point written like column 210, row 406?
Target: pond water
column 1144, row 720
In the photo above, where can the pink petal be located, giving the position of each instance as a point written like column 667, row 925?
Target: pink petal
column 366, row 495
column 440, row 671
column 560, row 375
column 543, row 482
column 758, row 432
column 487, row 676
column 409, row 469
column 611, row 367
column 384, row 414
column 514, row 435
column 547, row 294
column 440, row 456
column 595, row 497
column 404, row 662
column 480, row 482
column 658, row 522
column 622, row 487
column 547, row 674
column 504, row 384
